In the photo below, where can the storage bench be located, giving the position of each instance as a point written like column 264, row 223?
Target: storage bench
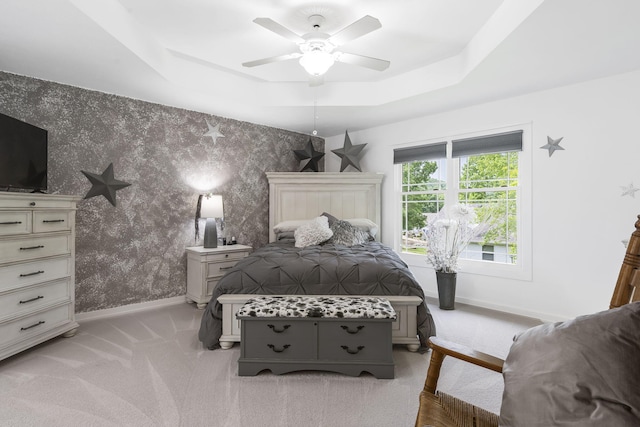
column 348, row 335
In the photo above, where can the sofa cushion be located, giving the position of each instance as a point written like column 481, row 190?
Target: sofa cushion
column 583, row 372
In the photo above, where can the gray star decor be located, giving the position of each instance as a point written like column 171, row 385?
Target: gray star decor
column 629, row 191
column 309, row 153
column 104, row 184
column 213, row 132
column 552, row 145
column 349, row 153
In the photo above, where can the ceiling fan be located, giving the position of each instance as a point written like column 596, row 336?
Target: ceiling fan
column 317, row 53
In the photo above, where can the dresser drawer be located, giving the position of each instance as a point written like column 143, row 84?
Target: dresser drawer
column 15, row 222
column 34, row 247
column 355, row 340
column 51, row 220
column 30, row 273
column 35, row 324
column 278, row 339
column 27, row 300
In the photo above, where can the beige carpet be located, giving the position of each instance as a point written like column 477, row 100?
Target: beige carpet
column 148, row 369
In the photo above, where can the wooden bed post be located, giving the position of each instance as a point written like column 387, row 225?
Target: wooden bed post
column 629, row 279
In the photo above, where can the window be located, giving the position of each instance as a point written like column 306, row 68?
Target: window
column 484, row 171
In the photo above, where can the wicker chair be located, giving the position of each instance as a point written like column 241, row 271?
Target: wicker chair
column 440, row 410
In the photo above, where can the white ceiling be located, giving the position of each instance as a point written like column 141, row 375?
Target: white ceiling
column 444, row 54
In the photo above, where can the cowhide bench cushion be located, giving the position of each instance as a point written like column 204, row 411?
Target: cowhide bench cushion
column 328, row 307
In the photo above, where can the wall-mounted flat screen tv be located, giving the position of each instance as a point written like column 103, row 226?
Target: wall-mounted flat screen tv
column 23, row 155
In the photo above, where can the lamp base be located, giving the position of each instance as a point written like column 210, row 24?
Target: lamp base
column 211, row 234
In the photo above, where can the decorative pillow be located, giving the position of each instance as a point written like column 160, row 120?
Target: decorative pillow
column 330, row 217
column 313, row 233
column 364, row 224
column 346, row 234
column 583, row 372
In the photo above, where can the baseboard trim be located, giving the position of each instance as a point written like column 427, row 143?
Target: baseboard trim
column 131, row 308
column 543, row 317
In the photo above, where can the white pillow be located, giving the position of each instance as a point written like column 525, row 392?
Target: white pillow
column 364, row 224
column 313, row 233
column 289, row 226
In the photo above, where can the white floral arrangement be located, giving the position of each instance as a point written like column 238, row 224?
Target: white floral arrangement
column 449, row 233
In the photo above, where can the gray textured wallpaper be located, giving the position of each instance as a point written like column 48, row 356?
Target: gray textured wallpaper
column 135, row 252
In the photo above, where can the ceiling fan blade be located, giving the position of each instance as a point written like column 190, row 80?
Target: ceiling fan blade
column 359, row 28
column 362, row 61
column 272, row 25
column 316, row 81
column 272, row 59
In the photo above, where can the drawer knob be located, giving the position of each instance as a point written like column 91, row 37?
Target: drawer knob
column 32, row 326
column 348, row 350
column 352, row 331
column 32, row 204
column 278, row 350
column 46, row 221
column 32, row 299
column 11, row 223
column 279, row 331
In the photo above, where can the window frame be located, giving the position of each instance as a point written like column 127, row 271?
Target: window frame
column 523, row 268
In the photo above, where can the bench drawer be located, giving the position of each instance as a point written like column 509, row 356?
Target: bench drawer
column 354, row 340
column 279, row 339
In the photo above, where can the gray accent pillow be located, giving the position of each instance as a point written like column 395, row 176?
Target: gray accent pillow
column 346, row 234
column 583, row 372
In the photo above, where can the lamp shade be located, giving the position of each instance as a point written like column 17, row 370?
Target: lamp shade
column 211, row 207
column 316, row 62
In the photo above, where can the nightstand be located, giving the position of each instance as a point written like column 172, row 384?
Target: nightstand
column 205, row 266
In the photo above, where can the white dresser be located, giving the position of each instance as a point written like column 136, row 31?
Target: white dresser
column 37, row 280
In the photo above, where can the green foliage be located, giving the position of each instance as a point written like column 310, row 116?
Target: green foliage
column 417, row 177
column 495, row 203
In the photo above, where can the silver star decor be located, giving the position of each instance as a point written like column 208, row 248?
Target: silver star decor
column 104, row 184
column 552, row 145
column 309, row 153
column 349, row 153
column 214, row 132
column 629, row 191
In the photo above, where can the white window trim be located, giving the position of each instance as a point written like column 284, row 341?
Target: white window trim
column 520, row 271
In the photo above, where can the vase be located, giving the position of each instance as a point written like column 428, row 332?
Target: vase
column 446, row 289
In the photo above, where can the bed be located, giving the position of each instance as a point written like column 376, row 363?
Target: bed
column 279, row 268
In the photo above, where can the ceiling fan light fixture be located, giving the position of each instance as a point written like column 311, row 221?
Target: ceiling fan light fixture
column 317, row 62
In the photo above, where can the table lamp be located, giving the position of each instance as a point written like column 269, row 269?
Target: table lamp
column 211, row 209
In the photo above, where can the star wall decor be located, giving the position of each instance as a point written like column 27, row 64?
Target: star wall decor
column 105, row 184
column 213, row 132
column 349, row 153
column 552, row 145
column 629, row 191
column 309, row 153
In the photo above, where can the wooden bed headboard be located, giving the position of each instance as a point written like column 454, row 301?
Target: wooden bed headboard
column 305, row 195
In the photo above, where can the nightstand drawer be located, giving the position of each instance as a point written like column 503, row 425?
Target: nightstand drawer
column 219, row 257
column 15, row 222
column 34, row 247
column 218, row 269
column 30, row 273
column 46, row 221
column 33, row 298
column 35, row 324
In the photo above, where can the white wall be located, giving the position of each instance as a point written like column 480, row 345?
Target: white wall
column 579, row 216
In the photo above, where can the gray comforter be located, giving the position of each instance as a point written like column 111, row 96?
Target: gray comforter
column 281, row 268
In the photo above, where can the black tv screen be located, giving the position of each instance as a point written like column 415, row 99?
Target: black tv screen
column 23, row 155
